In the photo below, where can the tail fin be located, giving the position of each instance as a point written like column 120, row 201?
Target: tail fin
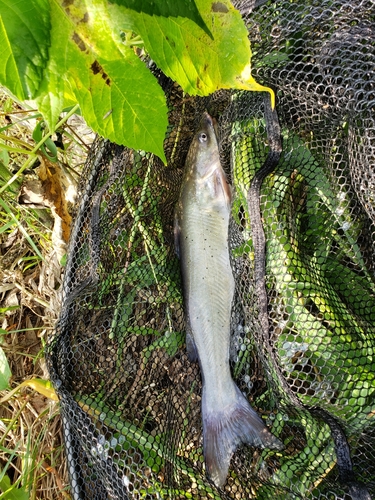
column 224, row 430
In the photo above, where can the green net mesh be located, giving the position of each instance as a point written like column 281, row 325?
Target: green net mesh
column 130, row 396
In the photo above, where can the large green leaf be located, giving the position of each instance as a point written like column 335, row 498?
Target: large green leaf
column 119, row 97
column 167, row 8
column 24, row 42
column 185, row 53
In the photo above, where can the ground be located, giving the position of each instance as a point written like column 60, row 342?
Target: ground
column 35, row 217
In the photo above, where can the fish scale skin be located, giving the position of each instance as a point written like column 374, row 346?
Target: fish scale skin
column 209, row 289
column 209, row 274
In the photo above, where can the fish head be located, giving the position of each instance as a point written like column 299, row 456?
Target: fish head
column 203, row 169
column 203, row 157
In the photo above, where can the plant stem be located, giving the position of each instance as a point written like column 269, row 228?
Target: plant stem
column 32, row 159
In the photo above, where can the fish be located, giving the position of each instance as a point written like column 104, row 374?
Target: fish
column 201, row 239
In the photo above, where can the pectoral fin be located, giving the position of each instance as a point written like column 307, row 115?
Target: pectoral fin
column 191, row 348
column 221, row 186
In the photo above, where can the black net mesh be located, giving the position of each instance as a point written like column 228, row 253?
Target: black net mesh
column 304, row 359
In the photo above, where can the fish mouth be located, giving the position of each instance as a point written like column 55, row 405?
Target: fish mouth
column 209, row 122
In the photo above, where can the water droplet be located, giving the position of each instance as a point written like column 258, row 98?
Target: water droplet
column 339, row 211
column 288, row 367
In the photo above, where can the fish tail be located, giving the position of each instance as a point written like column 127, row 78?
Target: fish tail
column 225, row 429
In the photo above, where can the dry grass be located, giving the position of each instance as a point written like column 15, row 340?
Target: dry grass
column 31, row 451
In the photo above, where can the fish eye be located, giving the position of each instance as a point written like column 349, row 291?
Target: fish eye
column 203, row 137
